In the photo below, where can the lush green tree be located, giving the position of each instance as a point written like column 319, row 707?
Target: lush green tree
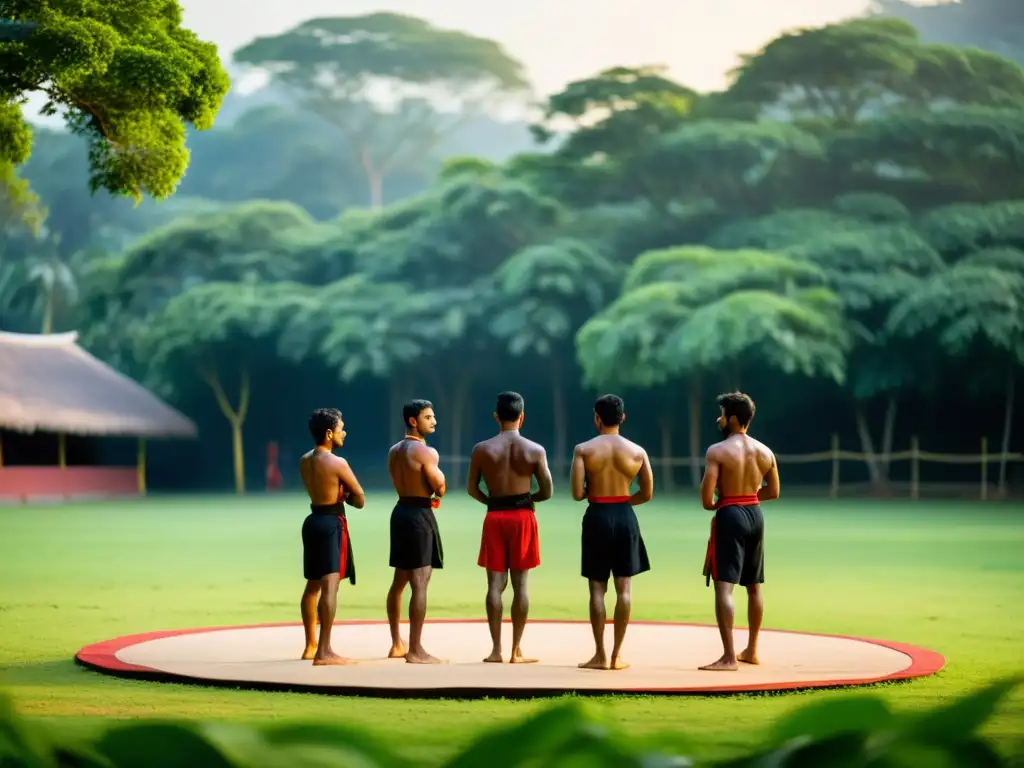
column 339, row 67
column 544, row 293
column 123, row 73
column 256, row 239
column 212, row 333
column 971, row 313
column 875, row 65
column 871, row 270
column 650, row 337
column 962, row 153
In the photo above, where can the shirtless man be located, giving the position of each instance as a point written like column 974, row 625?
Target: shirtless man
column 736, row 466
column 603, row 469
column 510, row 542
column 326, row 546
column 415, row 542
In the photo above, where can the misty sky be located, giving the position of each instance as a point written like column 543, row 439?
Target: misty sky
column 559, row 40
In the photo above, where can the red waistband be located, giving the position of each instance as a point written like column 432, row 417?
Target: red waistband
column 607, row 499
column 737, row 501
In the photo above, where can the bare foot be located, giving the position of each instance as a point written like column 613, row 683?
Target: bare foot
column 619, row 664
column 310, row 652
column 518, row 658
column 422, row 657
column 397, row 651
column 748, row 656
column 330, row 659
column 494, row 658
column 598, row 662
column 722, row 665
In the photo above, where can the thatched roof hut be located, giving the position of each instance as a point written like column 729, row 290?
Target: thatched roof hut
column 49, row 383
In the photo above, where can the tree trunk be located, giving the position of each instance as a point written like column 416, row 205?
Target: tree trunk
column 560, row 428
column 867, row 446
column 238, row 455
column 374, row 178
column 695, row 474
column 48, row 313
column 887, row 437
column 235, row 417
column 1011, row 385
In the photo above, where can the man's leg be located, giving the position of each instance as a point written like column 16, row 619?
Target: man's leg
column 327, row 608
column 307, row 606
column 496, row 583
column 419, row 580
column 724, row 616
column 623, row 607
column 598, row 618
column 394, row 608
column 755, row 613
column 520, row 612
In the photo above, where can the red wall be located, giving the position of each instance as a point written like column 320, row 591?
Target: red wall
column 54, row 482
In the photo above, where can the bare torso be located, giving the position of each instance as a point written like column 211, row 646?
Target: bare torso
column 611, row 462
column 743, row 463
column 322, row 474
column 408, row 461
column 507, row 463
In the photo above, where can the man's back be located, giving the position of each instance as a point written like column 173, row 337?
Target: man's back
column 743, row 463
column 406, row 461
column 611, row 463
column 321, row 475
column 508, row 462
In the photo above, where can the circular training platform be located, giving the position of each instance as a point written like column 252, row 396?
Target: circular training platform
column 664, row 658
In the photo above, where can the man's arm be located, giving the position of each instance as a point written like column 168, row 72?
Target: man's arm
column 355, row 496
column 545, row 485
column 710, row 482
column 473, row 481
column 578, row 475
column 770, row 492
column 434, row 475
column 646, row 477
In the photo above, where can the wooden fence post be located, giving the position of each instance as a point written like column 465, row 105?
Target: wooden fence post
column 140, row 467
column 984, row 469
column 835, row 466
column 915, row 468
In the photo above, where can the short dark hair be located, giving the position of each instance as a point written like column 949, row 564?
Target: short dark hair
column 413, row 409
column 609, row 409
column 322, row 420
column 739, row 405
column 509, row 406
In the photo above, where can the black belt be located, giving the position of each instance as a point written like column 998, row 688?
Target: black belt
column 420, row 502
column 509, row 503
column 336, row 510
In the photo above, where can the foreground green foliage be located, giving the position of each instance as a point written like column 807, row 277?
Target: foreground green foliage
column 855, row 731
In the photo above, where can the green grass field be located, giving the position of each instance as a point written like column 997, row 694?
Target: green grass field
column 947, row 576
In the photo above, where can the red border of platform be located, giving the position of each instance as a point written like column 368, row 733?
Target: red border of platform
column 102, row 657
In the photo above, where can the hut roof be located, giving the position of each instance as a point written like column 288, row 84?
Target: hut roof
column 49, row 383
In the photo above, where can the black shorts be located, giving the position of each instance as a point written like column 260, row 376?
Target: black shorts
column 415, row 540
column 326, row 544
column 612, row 544
column 736, row 547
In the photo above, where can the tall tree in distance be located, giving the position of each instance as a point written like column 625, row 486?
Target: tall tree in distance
column 392, row 84
column 122, row 73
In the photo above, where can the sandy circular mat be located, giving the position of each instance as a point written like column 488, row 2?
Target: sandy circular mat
column 663, row 656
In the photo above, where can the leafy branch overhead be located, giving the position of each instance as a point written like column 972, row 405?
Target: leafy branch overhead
column 124, row 74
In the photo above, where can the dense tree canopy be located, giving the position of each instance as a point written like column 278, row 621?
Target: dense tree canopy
column 846, row 242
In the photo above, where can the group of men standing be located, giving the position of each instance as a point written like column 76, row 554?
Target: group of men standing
column 740, row 469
